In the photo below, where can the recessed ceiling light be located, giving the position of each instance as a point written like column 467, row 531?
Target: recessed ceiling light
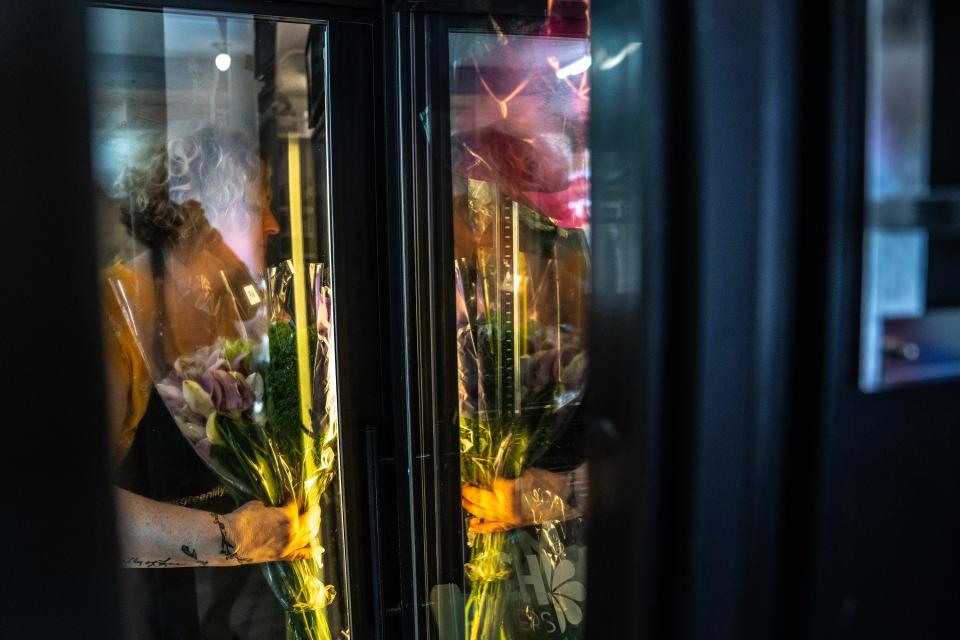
column 222, row 61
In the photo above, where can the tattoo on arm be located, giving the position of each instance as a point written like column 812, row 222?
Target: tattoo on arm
column 227, row 549
column 192, row 553
column 134, row 561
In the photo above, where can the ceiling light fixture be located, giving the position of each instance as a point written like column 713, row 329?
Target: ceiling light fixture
column 222, row 61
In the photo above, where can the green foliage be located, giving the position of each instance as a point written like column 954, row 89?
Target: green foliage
column 282, row 387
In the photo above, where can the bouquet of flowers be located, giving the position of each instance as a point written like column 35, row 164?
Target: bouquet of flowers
column 519, row 119
column 522, row 213
column 257, row 403
column 490, row 448
column 515, row 378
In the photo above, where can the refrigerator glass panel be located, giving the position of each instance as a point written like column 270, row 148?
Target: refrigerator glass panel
column 519, row 107
column 210, row 160
column 910, row 322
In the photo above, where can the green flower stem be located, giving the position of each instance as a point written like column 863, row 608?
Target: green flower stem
column 485, row 610
column 307, row 625
column 299, row 587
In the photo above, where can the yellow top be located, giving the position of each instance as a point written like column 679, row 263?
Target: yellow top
column 202, row 307
column 129, row 380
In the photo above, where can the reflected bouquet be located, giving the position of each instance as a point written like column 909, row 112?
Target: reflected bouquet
column 503, row 433
column 258, row 406
column 519, row 114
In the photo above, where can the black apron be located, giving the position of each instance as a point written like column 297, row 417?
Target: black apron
column 187, row 603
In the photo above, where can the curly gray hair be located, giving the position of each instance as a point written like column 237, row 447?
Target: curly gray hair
column 208, row 176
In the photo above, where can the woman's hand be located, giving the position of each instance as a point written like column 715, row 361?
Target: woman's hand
column 536, row 497
column 258, row 533
column 156, row 535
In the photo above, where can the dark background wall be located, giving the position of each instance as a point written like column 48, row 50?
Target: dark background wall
column 877, row 475
column 57, row 534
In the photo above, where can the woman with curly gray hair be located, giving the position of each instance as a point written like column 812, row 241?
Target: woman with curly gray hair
column 217, row 169
column 198, row 207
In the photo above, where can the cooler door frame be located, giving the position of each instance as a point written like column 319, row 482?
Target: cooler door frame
column 425, row 362
column 357, row 191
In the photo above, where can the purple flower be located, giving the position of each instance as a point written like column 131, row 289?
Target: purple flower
column 172, row 396
column 203, row 360
column 203, row 448
column 229, row 391
column 207, row 382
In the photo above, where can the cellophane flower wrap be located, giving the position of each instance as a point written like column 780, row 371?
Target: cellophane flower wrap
column 232, row 367
column 521, row 209
column 499, row 442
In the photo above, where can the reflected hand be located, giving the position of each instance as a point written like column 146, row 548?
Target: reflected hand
column 263, row 534
column 535, row 497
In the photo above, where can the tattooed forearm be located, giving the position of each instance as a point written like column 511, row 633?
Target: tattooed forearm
column 192, row 553
column 227, row 549
column 134, row 561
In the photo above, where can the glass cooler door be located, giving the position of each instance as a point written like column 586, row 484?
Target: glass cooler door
column 210, row 152
column 507, row 116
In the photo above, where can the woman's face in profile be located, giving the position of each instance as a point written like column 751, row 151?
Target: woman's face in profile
column 247, row 232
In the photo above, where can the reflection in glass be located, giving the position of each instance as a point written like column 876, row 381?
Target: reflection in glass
column 210, row 170
column 897, row 172
column 520, row 166
column 910, row 328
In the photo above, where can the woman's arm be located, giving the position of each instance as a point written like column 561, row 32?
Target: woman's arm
column 160, row 535
column 156, row 534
